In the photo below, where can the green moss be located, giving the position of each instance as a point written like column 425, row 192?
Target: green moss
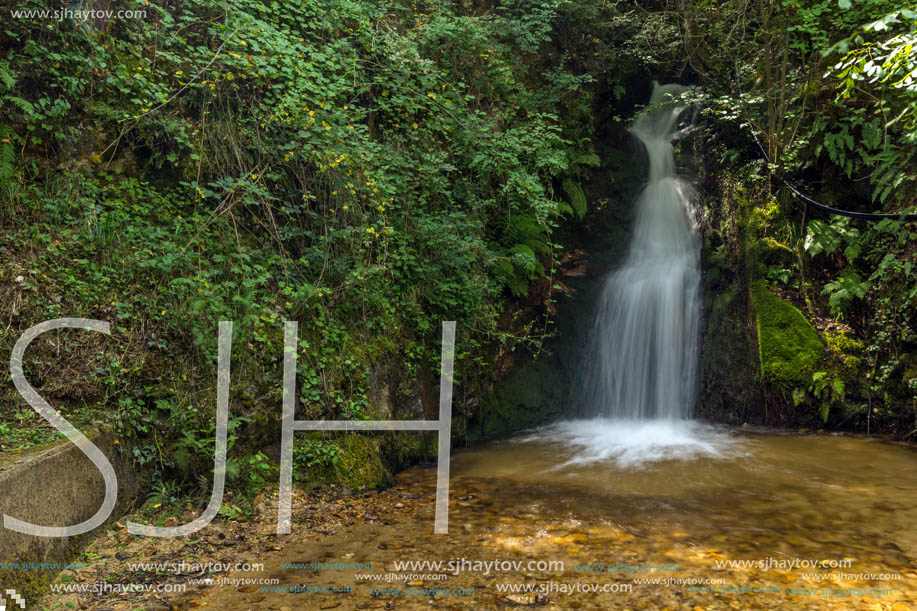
column 772, row 252
column 757, row 222
column 360, row 464
column 843, row 343
column 359, row 461
column 788, row 346
column 770, row 244
column 402, row 449
column 753, row 218
column 846, row 347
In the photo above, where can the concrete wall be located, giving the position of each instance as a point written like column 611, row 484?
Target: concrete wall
column 56, row 485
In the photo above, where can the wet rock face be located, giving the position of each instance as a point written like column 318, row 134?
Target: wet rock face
column 730, row 388
column 729, row 378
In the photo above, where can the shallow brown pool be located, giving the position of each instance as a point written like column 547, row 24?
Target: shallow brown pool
column 579, row 516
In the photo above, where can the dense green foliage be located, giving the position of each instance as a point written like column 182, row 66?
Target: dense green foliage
column 828, row 88
column 369, row 169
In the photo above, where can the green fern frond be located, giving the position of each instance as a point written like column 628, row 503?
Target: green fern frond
column 576, row 196
column 590, row 159
column 7, row 153
column 7, row 78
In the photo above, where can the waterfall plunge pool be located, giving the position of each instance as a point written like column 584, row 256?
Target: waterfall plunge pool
column 627, row 495
column 633, row 443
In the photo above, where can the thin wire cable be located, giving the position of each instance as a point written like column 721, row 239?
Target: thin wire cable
column 811, row 202
column 869, row 216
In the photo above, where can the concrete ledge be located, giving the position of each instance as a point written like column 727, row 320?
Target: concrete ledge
column 56, row 485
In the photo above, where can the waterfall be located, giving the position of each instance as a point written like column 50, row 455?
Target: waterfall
column 637, row 382
column 643, row 363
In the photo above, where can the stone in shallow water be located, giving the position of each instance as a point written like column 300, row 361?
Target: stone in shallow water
column 517, row 599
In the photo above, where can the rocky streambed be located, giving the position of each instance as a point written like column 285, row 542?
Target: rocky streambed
column 761, row 521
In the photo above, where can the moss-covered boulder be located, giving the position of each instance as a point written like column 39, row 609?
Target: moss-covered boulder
column 788, row 346
column 360, row 465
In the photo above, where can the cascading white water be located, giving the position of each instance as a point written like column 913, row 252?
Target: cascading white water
column 646, row 331
column 637, row 381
